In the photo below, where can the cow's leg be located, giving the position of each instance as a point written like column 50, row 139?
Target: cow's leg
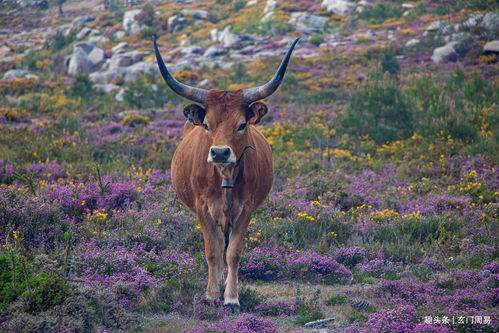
column 214, row 250
column 239, row 228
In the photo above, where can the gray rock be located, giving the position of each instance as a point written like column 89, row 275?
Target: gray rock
column 120, row 95
column 120, row 48
column 18, row 73
column 251, row 3
column 412, row 43
column 130, row 22
column 79, row 63
column 338, row 6
column 107, row 88
column 124, row 59
column 464, row 38
column 176, row 23
column 486, row 273
column 472, row 21
column 96, row 56
column 492, row 46
column 437, row 25
column 38, row 4
column 444, row 53
column 83, row 33
column 213, row 52
column 308, row 24
column 192, row 50
column 87, row 47
column 196, row 13
column 98, row 39
column 109, row 76
column 490, row 22
column 319, row 322
column 270, row 6
column 119, row 34
column 81, row 20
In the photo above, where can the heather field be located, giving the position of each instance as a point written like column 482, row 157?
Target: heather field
column 384, row 208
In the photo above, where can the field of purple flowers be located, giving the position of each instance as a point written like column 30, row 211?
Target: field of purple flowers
column 383, row 214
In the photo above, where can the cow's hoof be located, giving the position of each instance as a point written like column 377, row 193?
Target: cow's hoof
column 235, row 308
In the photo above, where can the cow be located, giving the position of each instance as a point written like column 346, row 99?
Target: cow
column 222, row 169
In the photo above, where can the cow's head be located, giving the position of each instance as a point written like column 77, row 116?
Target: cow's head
column 225, row 115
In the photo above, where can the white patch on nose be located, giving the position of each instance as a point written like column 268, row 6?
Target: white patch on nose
column 231, row 159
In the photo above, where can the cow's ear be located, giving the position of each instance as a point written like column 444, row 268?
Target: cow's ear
column 255, row 112
column 194, row 113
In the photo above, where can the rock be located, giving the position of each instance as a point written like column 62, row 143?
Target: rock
column 98, row 39
column 192, row 50
column 490, row 22
column 492, row 46
column 229, row 39
column 319, row 322
column 267, row 17
column 338, row 6
column 308, row 24
column 38, row 4
column 176, row 23
column 81, row 20
column 119, row 34
column 120, row 95
column 18, row 73
column 213, row 52
column 109, row 76
column 107, row 88
column 130, row 22
column 196, row 13
column 408, row 6
column 251, row 3
column 463, row 38
column 472, row 21
column 96, row 56
column 83, row 33
column 124, row 59
column 444, row 53
column 119, row 48
column 85, row 46
column 436, row 26
column 270, row 6
column 79, row 63
column 412, row 43
column 486, row 273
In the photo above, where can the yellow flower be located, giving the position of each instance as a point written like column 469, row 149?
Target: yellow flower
column 158, row 222
column 15, row 234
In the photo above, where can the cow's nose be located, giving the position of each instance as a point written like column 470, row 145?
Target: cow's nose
column 220, row 155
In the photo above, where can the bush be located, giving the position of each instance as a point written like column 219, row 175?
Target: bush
column 389, row 64
column 81, row 87
column 380, row 110
column 316, row 40
column 146, row 16
column 147, row 33
column 142, row 95
column 336, row 300
column 45, row 291
column 380, row 13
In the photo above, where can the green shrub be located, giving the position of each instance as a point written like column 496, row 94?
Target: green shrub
column 147, row 33
column 336, row 300
column 389, row 63
column 316, row 40
column 44, row 292
column 380, row 110
column 249, row 299
column 82, row 87
column 238, row 5
column 141, row 94
column 146, row 16
column 380, row 13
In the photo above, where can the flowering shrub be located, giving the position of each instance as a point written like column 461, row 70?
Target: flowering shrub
column 379, row 267
column 246, row 323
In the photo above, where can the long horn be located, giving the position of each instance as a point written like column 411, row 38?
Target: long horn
column 254, row 94
column 194, row 94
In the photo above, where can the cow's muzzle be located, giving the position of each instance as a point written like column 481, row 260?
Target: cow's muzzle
column 221, row 154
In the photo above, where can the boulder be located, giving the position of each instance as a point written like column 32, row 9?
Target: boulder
column 445, row 53
column 83, row 33
column 176, row 23
column 492, row 46
column 107, row 88
column 251, row 3
column 270, row 6
column 120, row 48
column 412, row 43
column 192, row 50
column 80, row 21
column 85, row 46
column 473, row 21
column 130, row 22
column 308, row 24
column 18, row 73
column 490, row 22
column 196, row 13
column 96, row 56
column 124, row 59
column 79, row 63
column 338, row 6
column 213, row 52
column 109, row 76
column 119, row 34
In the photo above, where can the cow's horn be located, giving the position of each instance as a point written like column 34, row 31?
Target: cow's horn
column 254, row 94
column 194, row 94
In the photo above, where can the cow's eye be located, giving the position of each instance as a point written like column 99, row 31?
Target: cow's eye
column 206, row 126
column 241, row 127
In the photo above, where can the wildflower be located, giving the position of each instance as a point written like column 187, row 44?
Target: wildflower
column 158, row 222
column 15, row 234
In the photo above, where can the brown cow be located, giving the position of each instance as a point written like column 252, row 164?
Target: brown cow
column 222, row 169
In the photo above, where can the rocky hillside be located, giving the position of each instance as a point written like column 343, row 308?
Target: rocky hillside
column 385, row 132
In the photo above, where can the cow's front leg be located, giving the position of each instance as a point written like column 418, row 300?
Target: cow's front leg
column 214, row 250
column 239, row 228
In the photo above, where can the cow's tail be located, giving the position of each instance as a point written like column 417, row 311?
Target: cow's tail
column 227, row 239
